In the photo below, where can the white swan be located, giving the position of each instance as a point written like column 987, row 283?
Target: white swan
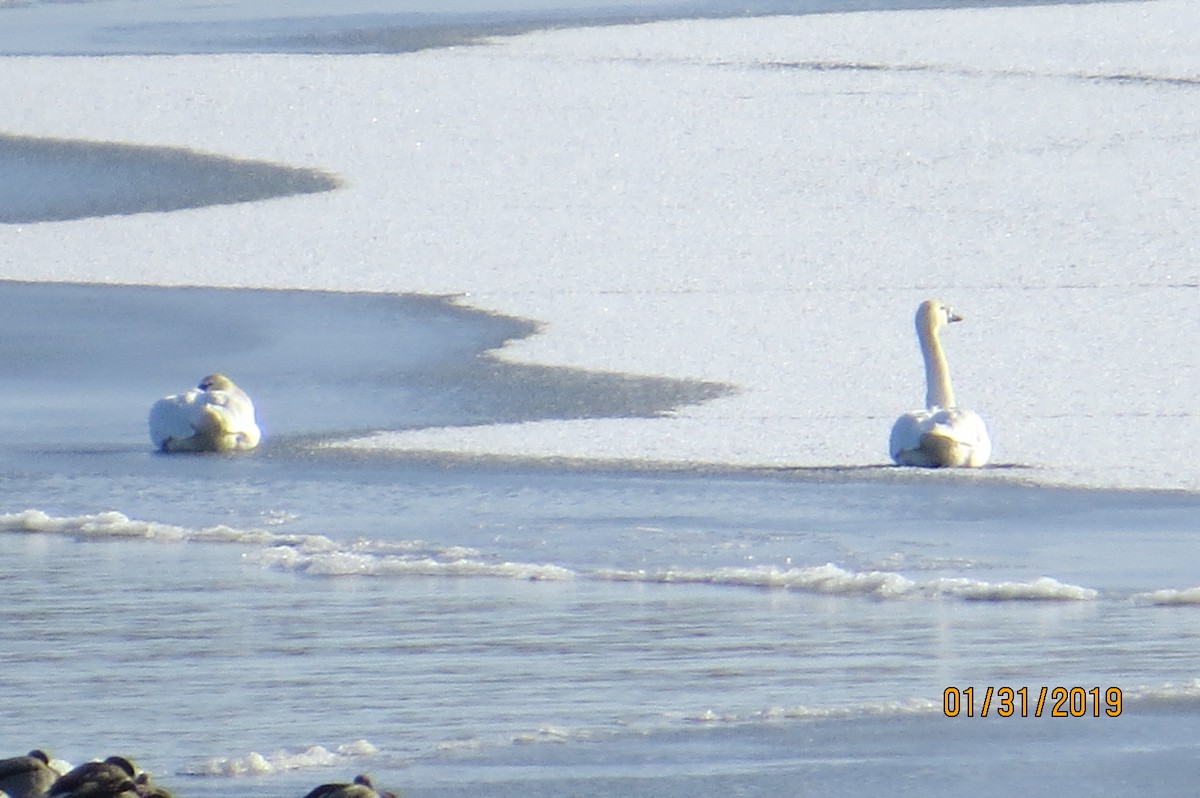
column 943, row 434
column 217, row 416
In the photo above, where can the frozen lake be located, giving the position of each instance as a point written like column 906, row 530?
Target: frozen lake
column 575, row 353
column 454, row 624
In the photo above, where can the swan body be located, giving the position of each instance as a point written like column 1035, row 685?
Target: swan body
column 942, row 435
column 28, row 776
column 216, row 416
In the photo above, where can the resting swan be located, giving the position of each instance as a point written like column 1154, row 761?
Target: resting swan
column 943, row 434
column 217, row 416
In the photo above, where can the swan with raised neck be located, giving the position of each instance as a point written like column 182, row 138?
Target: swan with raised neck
column 932, row 316
column 943, row 434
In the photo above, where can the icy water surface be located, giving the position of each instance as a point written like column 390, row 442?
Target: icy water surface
column 446, row 626
column 90, row 27
column 459, row 626
column 260, row 624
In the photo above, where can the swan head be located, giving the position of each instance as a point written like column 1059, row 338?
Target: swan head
column 934, row 314
column 216, row 382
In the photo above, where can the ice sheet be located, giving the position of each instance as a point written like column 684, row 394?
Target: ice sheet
column 759, row 202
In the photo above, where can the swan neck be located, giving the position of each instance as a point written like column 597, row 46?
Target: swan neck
column 938, row 391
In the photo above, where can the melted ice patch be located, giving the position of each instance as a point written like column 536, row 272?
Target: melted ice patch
column 52, row 179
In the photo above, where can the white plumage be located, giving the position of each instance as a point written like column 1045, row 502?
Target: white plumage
column 217, row 416
column 943, row 434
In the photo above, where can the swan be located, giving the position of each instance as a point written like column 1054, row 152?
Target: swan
column 943, row 434
column 216, row 416
column 28, row 776
column 361, row 787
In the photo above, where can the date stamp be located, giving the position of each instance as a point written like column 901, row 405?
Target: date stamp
column 1051, row 702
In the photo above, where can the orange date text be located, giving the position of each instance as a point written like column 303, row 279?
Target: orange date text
column 1023, row 702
